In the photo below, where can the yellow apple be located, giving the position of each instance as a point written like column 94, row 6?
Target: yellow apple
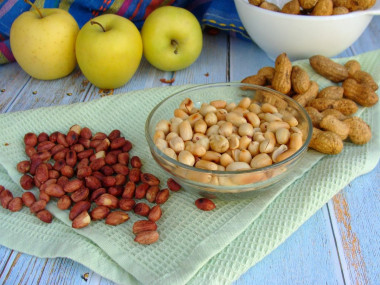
column 109, row 50
column 172, row 38
column 43, row 43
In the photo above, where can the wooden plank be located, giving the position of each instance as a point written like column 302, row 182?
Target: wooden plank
column 356, row 226
column 5, row 254
column 306, row 257
column 12, row 80
column 211, row 65
column 246, row 58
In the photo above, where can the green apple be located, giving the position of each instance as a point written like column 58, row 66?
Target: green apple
column 172, row 38
column 43, row 42
column 109, row 50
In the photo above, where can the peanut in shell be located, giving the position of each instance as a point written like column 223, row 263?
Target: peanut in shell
column 362, row 94
column 282, row 75
column 328, row 68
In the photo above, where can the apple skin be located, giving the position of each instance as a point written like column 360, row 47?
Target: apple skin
column 109, row 59
column 45, row 47
column 166, row 25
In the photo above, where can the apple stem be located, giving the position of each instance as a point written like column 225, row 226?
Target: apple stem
column 174, row 43
column 35, row 7
column 97, row 23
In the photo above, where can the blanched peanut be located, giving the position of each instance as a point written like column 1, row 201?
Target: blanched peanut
column 204, row 164
column 244, row 142
column 261, row 160
column 254, row 108
column 266, row 146
column 169, row 152
column 171, row 135
column 185, row 131
column 212, row 156
column 163, row 125
column 254, row 147
column 274, row 126
column 235, row 153
column 194, row 118
column 177, row 144
column 187, row 105
column 219, row 143
column 291, row 120
column 206, row 108
column 230, row 106
column 226, row 159
column 221, row 168
column 221, row 114
column 245, row 129
column 205, row 142
column 179, row 113
column 195, row 149
column 213, row 130
column 161, row 144
column 238, row 165
column 197, row 137
column 277, row 152
column 282, row 135
column 158, row 135
column 210, row 119
column 268, row 108
column 285, row 154
column 226, row 129
column 245, row 156
column 245, row 102
column 271, row 136
column 253, row 119
column 235, row 118
column 174, row 126
column 264, row 126
column 200, row 126
column 258, row 137
column 269, row 117
column 186, row 157
column 295, row 141
column 219, row 104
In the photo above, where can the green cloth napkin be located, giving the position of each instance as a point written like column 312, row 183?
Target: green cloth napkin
column 195, row 247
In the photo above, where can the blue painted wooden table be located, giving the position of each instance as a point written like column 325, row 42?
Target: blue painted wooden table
column 338, row 245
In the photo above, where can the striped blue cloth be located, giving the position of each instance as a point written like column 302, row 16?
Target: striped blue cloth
column 220, row 14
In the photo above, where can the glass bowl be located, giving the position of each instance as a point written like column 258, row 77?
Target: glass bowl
column 229, row 185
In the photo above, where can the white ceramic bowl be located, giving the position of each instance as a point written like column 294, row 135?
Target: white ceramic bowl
column 302, row 36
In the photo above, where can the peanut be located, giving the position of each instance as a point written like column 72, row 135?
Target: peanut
column 116, row 218
column 323, row 8
column 147, row 237
column 331, row 123
column 359, row 131
column 328, row 68
column 205, row 204
column 291, row 7
column 360, row 93
column 326, row 142
column 282, row 75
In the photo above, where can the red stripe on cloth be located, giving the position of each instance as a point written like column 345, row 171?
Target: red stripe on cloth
column 136, row 10
column 124, row 7
column 152, row 5
column 6, row 52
